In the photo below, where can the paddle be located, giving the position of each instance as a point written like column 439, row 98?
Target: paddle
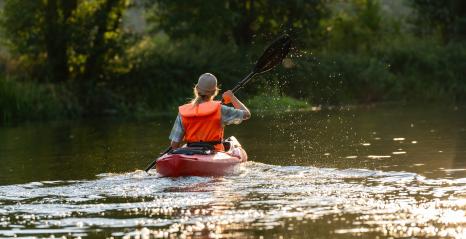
column 151, row 165
column 272, row 56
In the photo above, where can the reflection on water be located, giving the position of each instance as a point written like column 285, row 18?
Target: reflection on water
column 261, row 200
column 385, row 171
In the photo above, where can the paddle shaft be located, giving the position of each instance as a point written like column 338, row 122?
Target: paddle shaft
column 243, row 82
column 155, row 161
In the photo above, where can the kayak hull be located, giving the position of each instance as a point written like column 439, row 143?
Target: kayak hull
column 217, row 164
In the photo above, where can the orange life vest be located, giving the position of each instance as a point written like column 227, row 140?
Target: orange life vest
column 203, row 122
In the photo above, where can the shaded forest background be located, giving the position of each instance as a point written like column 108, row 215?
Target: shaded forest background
column 76, row 58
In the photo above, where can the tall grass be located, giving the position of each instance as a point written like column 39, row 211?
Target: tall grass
column 30, row 101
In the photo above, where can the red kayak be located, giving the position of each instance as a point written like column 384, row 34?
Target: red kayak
column 200, row 161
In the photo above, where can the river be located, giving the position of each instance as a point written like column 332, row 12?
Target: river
column 356, row 172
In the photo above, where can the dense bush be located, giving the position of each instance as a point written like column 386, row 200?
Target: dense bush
column 26, row 100
column 165, row 73
column 424, row 69
column 338, row 78
column 405, row 69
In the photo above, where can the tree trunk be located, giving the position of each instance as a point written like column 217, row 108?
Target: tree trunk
column 56, row 37
column 94, row 62
column 243, row 32
column 56, row 44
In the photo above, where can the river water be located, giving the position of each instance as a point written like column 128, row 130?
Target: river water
column 362, row 172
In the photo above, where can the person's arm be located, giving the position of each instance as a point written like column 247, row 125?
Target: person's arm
column 177, row 133
column 229, row 97
column 175, row 145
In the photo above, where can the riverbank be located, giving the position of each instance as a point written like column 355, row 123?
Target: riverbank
column 409, row 70
column 21, row 102
column 26, row 102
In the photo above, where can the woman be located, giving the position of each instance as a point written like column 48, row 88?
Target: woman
column 204, row 119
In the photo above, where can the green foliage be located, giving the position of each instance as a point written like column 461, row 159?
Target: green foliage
column 446, row 17
column 356, row 26
column 65, row 39
column 164, row 72
column 274, row 101
column 408, row 69
column 426, row 70
column 337, row 78
column 29, row 101
column 75, row 59
column 236, row 20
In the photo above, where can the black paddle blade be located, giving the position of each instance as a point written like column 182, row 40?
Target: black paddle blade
column 274, row 54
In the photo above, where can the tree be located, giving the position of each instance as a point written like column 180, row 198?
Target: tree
column 237, row 20
column 448, row 17
column 355, row 26
column 70, row 39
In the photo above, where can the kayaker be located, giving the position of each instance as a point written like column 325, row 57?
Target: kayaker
column 204, row 119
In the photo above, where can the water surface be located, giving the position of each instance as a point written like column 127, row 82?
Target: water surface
column 386, row 171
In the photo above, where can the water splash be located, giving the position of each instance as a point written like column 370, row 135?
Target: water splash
column 260, row 197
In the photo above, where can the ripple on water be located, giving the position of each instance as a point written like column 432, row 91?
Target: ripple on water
column 259, row 197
